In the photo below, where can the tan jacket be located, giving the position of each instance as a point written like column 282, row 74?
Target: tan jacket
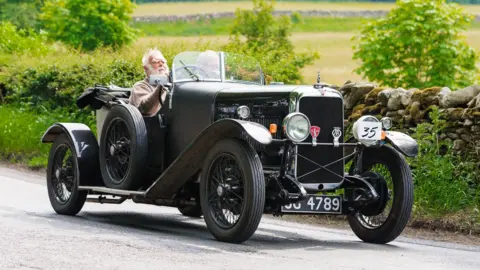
column 145, row 97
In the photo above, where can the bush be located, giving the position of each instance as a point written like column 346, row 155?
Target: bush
column 445, row 184
column 89, row 24
column 267, row 39
column 21, row 41
column 59, row 77
column 417, row 45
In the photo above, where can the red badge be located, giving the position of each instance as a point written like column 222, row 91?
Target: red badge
column 314, row 131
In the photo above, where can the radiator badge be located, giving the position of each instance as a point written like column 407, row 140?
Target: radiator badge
column 314, row 131
column 336, row 135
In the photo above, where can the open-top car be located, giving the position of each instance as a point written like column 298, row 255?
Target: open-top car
column 229, row 147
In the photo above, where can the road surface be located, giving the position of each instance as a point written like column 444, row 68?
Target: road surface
column 135, row 236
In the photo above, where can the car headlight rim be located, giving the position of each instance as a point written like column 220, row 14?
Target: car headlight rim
column 291, row 124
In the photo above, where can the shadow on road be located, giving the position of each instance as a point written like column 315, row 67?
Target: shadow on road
column 193, row 230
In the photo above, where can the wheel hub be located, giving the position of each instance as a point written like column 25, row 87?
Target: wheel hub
column 380, row 185
column 220, row 191
column 112, row 150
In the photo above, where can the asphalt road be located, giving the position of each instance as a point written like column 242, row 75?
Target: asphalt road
column 134, row 236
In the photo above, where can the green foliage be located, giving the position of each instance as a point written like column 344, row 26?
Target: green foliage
column 89, row 24
column 320, row 1
column 267, row 39
column 58, row 78
column 14, row 41
column 444, row 183
column 418, row 44
column 21, row 128
column 23, row 14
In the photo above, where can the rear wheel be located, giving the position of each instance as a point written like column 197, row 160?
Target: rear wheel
column 232, row 191
column 383, row 221
column 63, row 178
column 123, row 148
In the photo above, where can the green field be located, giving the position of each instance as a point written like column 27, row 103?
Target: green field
column 222, row 26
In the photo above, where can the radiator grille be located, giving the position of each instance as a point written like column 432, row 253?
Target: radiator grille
column 327, row 113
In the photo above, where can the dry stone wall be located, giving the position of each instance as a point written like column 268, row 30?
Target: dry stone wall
column 410, row 107
column 305, row 13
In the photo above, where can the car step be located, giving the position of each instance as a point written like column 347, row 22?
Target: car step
column 112, row 191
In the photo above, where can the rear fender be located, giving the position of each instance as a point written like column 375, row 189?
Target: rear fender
column 86, row 148
column 191, row 159
column 402, row 142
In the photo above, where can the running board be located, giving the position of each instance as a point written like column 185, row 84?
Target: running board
column 112, row 191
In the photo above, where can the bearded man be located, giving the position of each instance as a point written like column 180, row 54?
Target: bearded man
column 145, row 96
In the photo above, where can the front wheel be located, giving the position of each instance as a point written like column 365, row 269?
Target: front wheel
column 232, row 191
column 384, row 220
column 63, row 178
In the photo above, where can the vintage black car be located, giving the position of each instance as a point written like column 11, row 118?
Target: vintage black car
column 229, row 147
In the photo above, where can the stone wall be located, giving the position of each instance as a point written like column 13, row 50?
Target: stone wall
column 410, row 107
column 305, row 13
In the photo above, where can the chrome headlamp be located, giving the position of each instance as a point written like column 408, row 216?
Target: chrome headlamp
column 243, row 112
column 296, row 126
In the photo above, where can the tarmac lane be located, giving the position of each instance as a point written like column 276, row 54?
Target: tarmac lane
column 137, row 236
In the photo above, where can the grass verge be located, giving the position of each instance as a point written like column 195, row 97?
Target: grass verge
column 21, row 129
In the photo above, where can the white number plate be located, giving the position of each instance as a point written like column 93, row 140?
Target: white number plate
column 316, row 204
column 370, row 130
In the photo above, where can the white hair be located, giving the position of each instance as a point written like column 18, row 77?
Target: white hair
column 207, row 57
column 153, row 53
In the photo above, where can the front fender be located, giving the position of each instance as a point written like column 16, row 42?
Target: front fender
column 402, row 142
column 86, row 149
column 191, row 159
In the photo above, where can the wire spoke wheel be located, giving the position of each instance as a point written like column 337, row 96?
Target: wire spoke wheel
column 232, row 190
column 225, row 191
column 64, row 177
column 118, row 150
column 384, row 220
column 63, row 174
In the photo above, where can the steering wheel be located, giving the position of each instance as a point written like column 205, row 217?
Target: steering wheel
column 193, row 69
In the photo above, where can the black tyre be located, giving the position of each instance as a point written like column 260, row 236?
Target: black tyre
column 232, row 182
column 391, row 214
column 63, row 178
column 191, row 211
column 123, row 148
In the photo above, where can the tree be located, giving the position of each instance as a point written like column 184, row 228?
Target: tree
column 21, row 13
column 267, row 39
column 418, row 44
column 89, row 24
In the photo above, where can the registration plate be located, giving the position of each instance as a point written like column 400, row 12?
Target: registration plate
column 327, row 204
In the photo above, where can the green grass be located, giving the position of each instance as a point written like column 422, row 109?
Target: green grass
column 20, row 133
